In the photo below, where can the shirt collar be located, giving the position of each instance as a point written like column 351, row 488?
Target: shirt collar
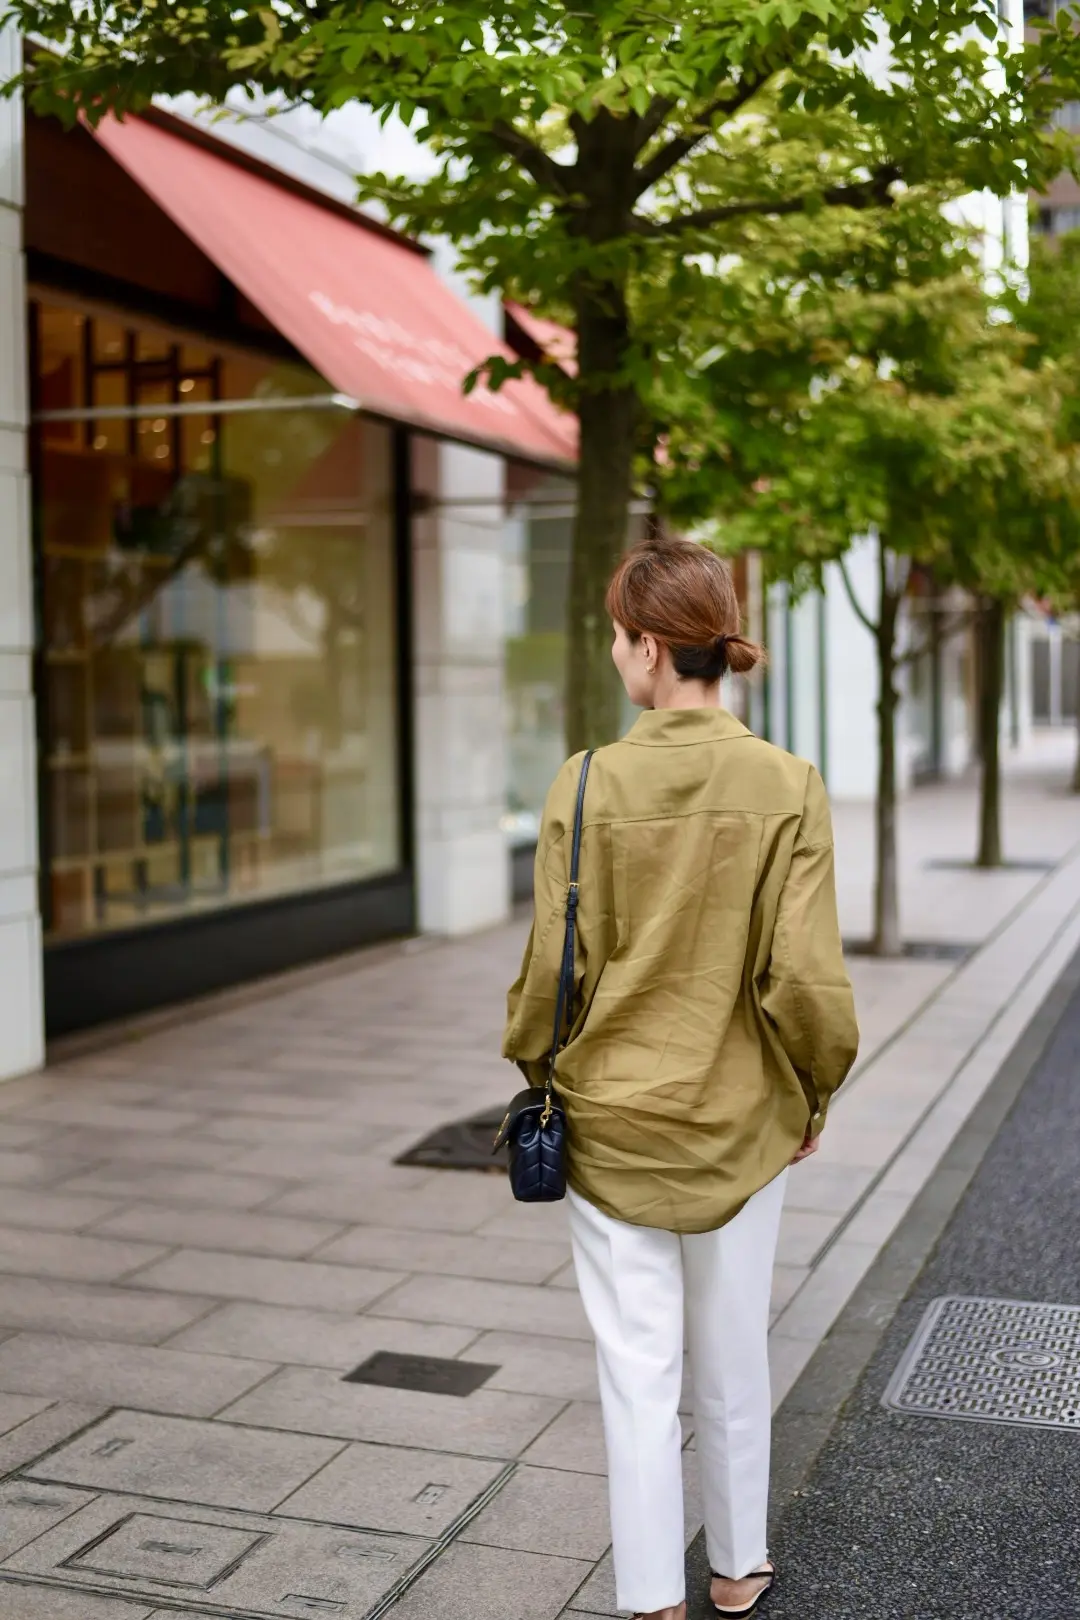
column 666, row 728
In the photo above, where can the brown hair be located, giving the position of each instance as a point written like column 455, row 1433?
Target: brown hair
column 684, row 595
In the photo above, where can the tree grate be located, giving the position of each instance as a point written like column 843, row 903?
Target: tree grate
column 992, row 1361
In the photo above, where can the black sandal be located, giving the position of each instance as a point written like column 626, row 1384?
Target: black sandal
column 767, row 1575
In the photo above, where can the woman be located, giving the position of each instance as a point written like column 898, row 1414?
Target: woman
column 713, row 1021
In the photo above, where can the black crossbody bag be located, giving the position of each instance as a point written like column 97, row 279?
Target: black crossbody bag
column 535, row 1126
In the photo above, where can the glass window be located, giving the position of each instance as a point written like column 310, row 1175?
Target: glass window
column 218, row 620
column 538, row 580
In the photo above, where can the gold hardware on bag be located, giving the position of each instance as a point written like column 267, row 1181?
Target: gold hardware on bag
column 546, row 1115
column 502, row 1127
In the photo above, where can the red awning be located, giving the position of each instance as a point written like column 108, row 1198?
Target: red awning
column 368, row 312
column 555, row 342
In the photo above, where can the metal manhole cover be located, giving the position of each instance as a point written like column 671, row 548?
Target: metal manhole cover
column 992, row 1361
column 432, row 1375
column 464, row 1144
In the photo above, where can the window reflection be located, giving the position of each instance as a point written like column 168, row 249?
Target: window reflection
column 217, row 606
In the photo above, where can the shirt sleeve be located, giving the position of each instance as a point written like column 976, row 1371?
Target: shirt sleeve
column 531, row 1001
column 806, row 991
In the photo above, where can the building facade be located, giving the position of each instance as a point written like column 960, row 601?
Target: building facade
column 253, row 567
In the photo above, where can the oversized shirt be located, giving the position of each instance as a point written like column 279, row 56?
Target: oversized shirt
column 713, row 1016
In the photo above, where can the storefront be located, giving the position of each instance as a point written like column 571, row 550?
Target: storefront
column 223, row 544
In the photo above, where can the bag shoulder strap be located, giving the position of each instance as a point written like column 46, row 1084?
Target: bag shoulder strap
column 566, row 972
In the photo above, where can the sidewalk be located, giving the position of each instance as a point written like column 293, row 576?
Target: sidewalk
column 202, row 1231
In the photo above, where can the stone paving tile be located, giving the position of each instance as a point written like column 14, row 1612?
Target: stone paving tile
column 15, row 1409
column 306, row 1163
column 461, row 1205
column 446, row 1254
column 86, row 1312
column 52, row 1211
column 139, row 1147
column 38, row 1434
column 787, row 1280
column 267, row 1282
column 247, row 1561
column 184, row 1460
column 815, row 1307
column 393, row 1488
column 20, row 1093
column 535, row 1366
column 287, row 1336
column 574, row 1441
column 28, row 1511
column 824, row 1187
column 19, row 1168
column 220, row 1189
column 335, row 1134
column 22, row 1602
column 487, row 1583
column 63, row 1254
column 23, row 1133
column 565, row 1277
column 104, row 1116
column 508, row 1306
column 597, row 1595
column 347, row 1200
column 532, row 1222
column 546, row 1510
column 96, row 1371
column 802, row 1235
column 238, row 1232
column 230, row 1100
column 488, row 1423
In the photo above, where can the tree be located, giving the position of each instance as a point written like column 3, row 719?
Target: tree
column 883, row 398
column 1048, row 309
column 587, row 151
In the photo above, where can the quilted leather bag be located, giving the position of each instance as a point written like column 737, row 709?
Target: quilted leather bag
column 535, row 1126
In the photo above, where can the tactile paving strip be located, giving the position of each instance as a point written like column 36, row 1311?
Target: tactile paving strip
column 992, row 1361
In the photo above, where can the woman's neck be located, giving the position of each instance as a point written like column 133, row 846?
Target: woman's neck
column 678, row 694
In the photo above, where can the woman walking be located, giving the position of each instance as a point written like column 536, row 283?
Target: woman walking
column 713, row 1019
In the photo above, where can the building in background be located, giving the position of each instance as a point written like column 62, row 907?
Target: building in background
column 1058, row 210
column 822, row 681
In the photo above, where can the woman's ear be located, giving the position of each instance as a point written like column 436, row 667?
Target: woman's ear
column 650, row 652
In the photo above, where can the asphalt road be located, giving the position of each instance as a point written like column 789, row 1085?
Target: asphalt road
column 915, row 1518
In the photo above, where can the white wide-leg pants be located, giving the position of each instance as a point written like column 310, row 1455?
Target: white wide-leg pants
column 637, row 1283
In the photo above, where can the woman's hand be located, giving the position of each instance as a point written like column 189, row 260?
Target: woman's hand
column 810, row 1145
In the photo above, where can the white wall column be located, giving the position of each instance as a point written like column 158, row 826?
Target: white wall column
column 21, row 1013
column 852, row 677
column 463, row 865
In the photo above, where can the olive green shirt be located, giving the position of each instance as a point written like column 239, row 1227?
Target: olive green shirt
column 713, row 1017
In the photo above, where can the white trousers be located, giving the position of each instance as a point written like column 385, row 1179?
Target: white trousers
column 637, row 1284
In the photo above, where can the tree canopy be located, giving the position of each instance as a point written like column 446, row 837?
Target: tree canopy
column 602, row 160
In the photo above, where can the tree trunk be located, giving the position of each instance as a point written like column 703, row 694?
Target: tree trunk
column 887, row 940
column 607, row 414
column 991, row 679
